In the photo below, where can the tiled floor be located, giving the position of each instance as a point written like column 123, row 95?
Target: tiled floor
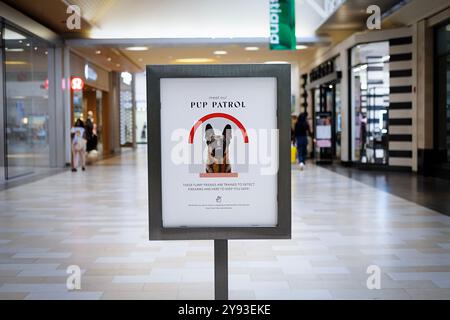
column 98, row 221
column 430, row 192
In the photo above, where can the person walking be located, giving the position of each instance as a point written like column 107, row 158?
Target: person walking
column 89, row 127
column 302, row 130
column 78, row 134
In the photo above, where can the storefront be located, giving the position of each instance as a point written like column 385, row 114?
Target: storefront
column 90, row 87
column 370, row 103
column 141, row 107
column 432, row 35
column 442, row 99
column 325, row 90
column 362, row 98
column 28, row 142
column 127, row 110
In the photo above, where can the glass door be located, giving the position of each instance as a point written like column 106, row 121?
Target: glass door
column 337, row 120
column 19, row 103
column 2, row 112
column 26, row 103
column 442, row 128
column 370, row 103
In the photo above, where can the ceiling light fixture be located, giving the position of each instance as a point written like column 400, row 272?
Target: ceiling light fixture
column 109, row 59
column 251, row 48
column 276, row 62
column 136, row 48
column 15, row 63
column 194, row 60
column 301, row 47
column 98, row 52
column 220, row 52
column 14, row 49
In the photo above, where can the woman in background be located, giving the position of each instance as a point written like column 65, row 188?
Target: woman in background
column 78, row 134
column 302, row 130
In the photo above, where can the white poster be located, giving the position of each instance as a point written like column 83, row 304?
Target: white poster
column 323, row 132
column 219, row 152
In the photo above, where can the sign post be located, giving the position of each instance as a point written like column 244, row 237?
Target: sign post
column 219, row 155
column 221, row 269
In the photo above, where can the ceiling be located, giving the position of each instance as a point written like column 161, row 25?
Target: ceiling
column 352, row 15
column 106, row 19
column 137, row 60
column 173, row 29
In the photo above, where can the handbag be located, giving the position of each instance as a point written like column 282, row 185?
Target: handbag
column 92, row 156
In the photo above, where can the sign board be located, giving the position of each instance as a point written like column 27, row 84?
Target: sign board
column 282, row 25
column 90, row 73
column 77, row 84
column 219, row 151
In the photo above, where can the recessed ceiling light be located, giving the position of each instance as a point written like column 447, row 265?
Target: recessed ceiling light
column 98, row 52
column 301, row 47
column 109, row 59
column 15, row 62
column 194, row 60
column 14, row 49
column 251, row 48
column 118, row 65
column 220, row 52
column 136, row 49
column 276, row 62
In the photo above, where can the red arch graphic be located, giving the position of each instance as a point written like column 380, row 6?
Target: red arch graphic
column 218, row 115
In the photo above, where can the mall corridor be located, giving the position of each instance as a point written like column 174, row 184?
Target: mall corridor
column 97, row 220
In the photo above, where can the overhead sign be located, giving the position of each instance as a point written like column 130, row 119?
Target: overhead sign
column 90, row 73
column 219, row 164
column 77, row 84
column 282, row 25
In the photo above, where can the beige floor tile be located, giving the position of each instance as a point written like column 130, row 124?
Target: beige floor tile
column 340, row 227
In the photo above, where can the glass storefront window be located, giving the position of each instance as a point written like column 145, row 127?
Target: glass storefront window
column 27, row 103
column 126, row 111
column 338, row 120
column 443, row 93
column 99, row 119
column 370, row 102
column 141, row 107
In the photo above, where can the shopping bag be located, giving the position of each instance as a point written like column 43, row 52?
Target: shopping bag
column 92, row 156
column 293, row 154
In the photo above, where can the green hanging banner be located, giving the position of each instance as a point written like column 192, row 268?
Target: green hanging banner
column 282, row 25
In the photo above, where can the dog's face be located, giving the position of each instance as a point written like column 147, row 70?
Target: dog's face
column 217, row 145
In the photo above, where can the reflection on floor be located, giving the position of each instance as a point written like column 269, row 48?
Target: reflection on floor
column 430, row 192
column 98, row 221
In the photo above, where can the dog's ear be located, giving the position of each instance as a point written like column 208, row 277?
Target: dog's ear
column 209, row 133
column 227, row 133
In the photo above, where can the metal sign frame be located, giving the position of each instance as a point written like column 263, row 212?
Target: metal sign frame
column 282, row 73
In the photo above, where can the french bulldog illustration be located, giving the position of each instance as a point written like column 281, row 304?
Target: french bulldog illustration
column 218, row 145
